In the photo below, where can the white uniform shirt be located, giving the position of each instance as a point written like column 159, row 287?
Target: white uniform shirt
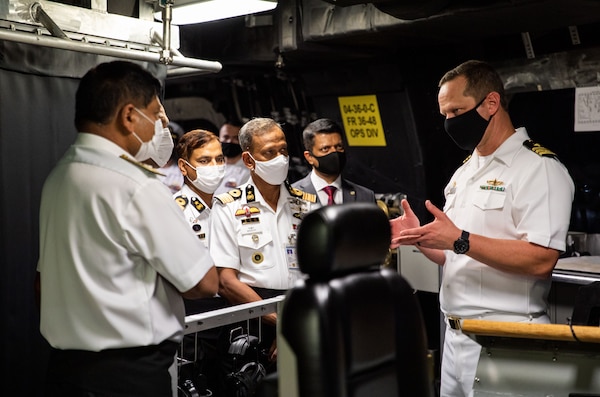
column 255, row 240
column 195, row 211
column 114, row 252
column 515, row 194
column 236, row 174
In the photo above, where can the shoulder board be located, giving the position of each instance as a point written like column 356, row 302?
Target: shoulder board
column 539, row 149
column 229, row 197
column 310, row 197
column 144, row 166
column 467, row 159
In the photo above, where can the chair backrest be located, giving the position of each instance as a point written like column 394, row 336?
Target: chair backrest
column 586, row 310
column 354, row 327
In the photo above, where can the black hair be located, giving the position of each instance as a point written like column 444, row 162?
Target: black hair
column 108, row 86
column 319, row 126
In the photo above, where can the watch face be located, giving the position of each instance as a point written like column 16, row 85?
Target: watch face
column 461, row 246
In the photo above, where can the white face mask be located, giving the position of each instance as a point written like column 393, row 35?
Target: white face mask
column 273, row 171
column 208, row 178
column 159, row 148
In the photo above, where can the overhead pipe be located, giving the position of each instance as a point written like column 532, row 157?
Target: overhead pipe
column 138, row 55
column 62, row 41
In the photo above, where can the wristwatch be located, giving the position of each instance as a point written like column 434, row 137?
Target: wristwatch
column 461, row 246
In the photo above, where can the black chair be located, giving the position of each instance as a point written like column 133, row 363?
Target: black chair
column 586, row 310
column 354, row 327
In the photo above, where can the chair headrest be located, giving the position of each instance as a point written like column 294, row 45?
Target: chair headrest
column 337, row 239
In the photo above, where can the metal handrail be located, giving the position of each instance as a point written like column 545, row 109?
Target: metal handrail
column 230, row 315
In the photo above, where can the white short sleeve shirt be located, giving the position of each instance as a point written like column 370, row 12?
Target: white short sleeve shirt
column 515, row 194
column 247, row 235
column 115, row 252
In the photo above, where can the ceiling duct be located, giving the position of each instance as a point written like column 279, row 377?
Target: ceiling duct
column 401, row 9
column 409, row 10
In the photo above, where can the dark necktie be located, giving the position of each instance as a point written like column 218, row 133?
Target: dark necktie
column 330, row 190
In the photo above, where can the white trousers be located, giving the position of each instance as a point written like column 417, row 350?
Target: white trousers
column 461, row 356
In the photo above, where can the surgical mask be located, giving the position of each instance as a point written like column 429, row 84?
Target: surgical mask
column 231, row 149
column 467, row 129
column 273, row 171
column 332, row 163
column 159, row 148
column 208, row 178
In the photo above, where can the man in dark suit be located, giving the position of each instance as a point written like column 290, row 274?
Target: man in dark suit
column 324, row 151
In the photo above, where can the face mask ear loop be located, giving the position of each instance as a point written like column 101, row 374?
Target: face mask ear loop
column 253, row 168
column 480, row 103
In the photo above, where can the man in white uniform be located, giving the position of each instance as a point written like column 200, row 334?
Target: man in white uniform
column 202, row 164
column 112, row 271
column 256, row 224
column 504, row 223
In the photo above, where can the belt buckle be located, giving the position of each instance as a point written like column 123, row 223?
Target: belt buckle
column 454, row 323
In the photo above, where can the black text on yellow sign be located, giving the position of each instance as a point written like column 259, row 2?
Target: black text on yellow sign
column 362, row 121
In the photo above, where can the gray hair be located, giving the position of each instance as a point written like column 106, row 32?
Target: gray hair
column 255, row 127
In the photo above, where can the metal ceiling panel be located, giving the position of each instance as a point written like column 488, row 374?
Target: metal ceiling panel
column 95, row 25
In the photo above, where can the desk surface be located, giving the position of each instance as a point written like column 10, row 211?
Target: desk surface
column 577, row 270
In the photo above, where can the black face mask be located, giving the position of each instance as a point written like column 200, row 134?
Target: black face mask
column 467, row 129
column 231, row 149
column 332, row 163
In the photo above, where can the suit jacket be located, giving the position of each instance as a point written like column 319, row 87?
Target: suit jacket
column 351, row 192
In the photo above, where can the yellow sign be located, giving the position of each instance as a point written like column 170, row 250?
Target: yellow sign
column 362, row 121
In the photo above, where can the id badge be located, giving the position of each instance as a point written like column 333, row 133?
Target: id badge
column 291, row 257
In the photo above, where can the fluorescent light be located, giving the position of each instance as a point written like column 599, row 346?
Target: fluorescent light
column 212, row 10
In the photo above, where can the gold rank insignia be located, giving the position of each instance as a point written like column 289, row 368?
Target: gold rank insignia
column 539, row 149
column 494, row 182
column 198, row 204
column 143, row 166
column 250, row 194
column 181, row 201
column 467, row 159
column 229, row 197
column 311, row 198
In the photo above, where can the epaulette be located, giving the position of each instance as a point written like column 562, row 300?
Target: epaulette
column 143, row 166
column 230, row 196
column 467, row 159
column 310, row 197
column 539, row 149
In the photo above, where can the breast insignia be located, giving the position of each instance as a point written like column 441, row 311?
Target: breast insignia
column 539, row 149
column 229, row 197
